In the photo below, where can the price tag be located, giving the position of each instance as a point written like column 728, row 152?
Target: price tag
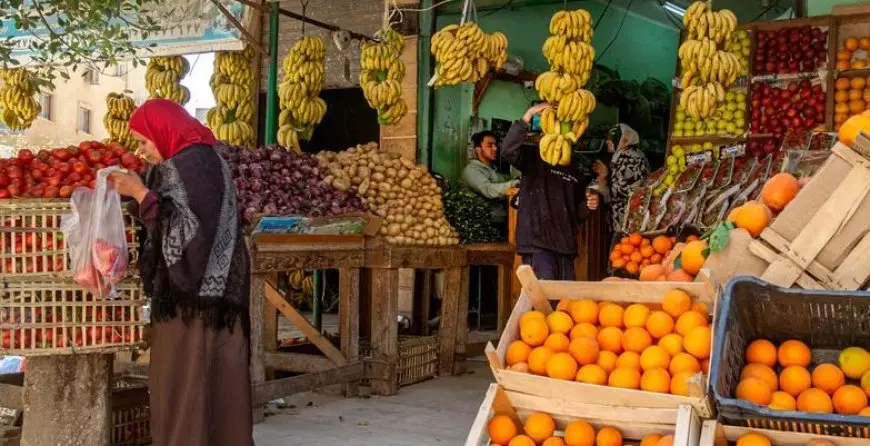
column 733, row 151
column 699, row 158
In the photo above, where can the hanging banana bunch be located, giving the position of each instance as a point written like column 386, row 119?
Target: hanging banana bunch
column 163, row 78
column 569, row 52
column 706, row 71
column 301, row 108
column 18, row 105
column 381, row 75
column 119, row 107
column 232, row 117
column 464, row 53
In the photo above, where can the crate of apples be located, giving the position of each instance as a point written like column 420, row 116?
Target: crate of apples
column 798, row 105
column 790, row 50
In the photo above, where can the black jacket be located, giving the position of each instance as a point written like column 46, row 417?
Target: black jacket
column 552, row 199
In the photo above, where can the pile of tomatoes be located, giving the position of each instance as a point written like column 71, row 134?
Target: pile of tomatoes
column 58, row 172
column 78, row 334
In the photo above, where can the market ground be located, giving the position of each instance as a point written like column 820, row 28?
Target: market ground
column 437, row 412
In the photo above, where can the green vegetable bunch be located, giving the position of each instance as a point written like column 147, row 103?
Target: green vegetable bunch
column 468, row 213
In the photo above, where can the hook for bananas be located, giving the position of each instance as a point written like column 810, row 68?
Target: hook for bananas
column 304, row 4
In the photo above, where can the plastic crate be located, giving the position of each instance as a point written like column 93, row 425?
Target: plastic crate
column 827, row 321
column 32, row 244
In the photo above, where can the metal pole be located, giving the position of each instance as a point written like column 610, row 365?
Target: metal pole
column 272, row 88
column 317, row 308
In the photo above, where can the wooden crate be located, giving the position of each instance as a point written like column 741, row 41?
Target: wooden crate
column 714, row 433
column 537, row 294
column 683, row 422
column 32, row 244
column 822, row 238
column 131, row 415
column 56, row 316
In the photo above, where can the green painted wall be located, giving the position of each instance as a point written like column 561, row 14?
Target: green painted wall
column 823, row 7
column 644, row 48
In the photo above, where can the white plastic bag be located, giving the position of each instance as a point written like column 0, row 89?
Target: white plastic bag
column 96, row 237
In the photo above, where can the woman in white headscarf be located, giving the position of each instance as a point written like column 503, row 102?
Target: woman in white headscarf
column 628, row 169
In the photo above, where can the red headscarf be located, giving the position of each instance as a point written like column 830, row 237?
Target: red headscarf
column 169, row 127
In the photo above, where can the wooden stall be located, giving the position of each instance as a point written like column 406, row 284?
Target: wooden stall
column 500, row 255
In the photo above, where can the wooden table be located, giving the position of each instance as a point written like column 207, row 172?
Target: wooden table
column 501, row 255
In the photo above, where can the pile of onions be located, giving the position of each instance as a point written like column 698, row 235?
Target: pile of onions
column 404, row 194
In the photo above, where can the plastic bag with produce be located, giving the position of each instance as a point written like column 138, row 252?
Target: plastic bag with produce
column 96, row 236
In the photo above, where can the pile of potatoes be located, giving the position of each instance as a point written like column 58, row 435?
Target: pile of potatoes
column 402, row 193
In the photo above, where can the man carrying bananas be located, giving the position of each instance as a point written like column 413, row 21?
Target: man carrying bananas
column 553, row 202
column 481, row 177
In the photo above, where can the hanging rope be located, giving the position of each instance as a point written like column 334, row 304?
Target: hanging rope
column 304, row 4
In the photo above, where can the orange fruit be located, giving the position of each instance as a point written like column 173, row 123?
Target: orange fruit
column 592, row 374
column 501, row 429
column 844, row 55
column 626, row 248
column 636, row 339
column 858, row 64
column 700, row 307
column 761, row 351
column 635, row 315
column 697, row 342
column 650, row 440
column 522, row 367
column 625, row 241
column 647, row 251
column 753, row 439
column 849, row 129
column 584, row 329
column 579, row 433
column 557, row 342
column 672, row 343
column 636, row 257
column 689, row 320
column 624, row 378
column 680, row 276
column 815, row 400
column 635, row 239
column 553, row 441
column 780, row 400
column 522, row 440
column 617, row 255
column 842, row 108
column 857, row 83
column 611, row 316
column 828, row 377
column 607, row 360
column 628, row 360
column 659, row 324
column 656, row 259
column 857, row 106
column 794, row 379
column 842, row 84
column 584, row 310
column 864, row 43
column 793, row 352
column 762, row 372
column 680, row 383
column 608, row 436
column 651, row 272
column 539, row 426
column 854, row 95
column 563, row 305
column 534, row 331
column 839, row 97
column 655, row 357
column 850, row 43
column 584, row 350
column 865, row 412
column 610, row 339
column 538, row 360
column 560, row 322
column 662, row 244
column 562, row 366
column 534, row 314
column 843, row 64
column 692, row 257
column 684, row 362
column 705, row 366
column 676, row 302
column 754, row 390
column 865, row 382
column 849, row 400
column 518, row 351
column 667, row 440
column 656, row 380
column 618, row 263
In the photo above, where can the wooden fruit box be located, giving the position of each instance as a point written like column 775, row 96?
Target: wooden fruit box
column 714, row 433
column 32, row 244
column 821, row 240
column 683, row 422
column 635, row 404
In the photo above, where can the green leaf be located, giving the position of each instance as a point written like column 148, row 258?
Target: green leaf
column 678, row 262
column 705, row 252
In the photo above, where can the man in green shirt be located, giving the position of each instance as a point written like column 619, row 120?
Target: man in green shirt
column 481, row 177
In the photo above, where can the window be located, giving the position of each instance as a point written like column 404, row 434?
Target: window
column 92, row 76
column 201, row 114
column 45, row 104
column 120, row 69
column 84, row 120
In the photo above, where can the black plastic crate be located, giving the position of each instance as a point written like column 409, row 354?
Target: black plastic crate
column 827, row 321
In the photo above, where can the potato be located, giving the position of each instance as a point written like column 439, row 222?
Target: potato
column 364, row 186
column 341, row 184
column 378, row 176
column 406, row 183
column 364, row 172
column 394, row 229
column 391, row 172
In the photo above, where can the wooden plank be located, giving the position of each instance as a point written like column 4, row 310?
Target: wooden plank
column 462, row 323
column 450, row 315
column 415, row 257
column 270, row 325
column 406, row 291
column 595, row 412
column 688, row 426
column 348, row 313
column 716, row 434
column 708, row 434
column 639, row 292
column 853, row 272
column 478, row 426
column 780, row 270
column 504, row 296
column 779, row 243
column 384, row 329
column 424, row 290
column 297, row 362
column 258, row 351
column 301, row 323
column 279, row 388
column 533, row 287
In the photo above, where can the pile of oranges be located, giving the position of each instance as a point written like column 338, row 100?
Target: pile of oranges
column 759, row 439
column 634, row 252
column 846, row 55
column 824, row 390
column 539, row 429
column 852, row 98
column 638, row 346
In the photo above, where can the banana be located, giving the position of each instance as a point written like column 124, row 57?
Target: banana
column 465, row 54
column 163, row 78
column 119, row 107
column 19, row 108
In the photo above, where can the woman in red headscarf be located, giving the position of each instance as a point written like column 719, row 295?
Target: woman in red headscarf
column 195, row 268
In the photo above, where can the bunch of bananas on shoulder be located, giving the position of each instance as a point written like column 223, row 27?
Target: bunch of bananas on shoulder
column 301, row 108
column 18, row 99
column 119, row 107
column 464, row 53
column 704, row 23
column 232, row 117
column 163, row 78
column 571, row 57
column 381, row 75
